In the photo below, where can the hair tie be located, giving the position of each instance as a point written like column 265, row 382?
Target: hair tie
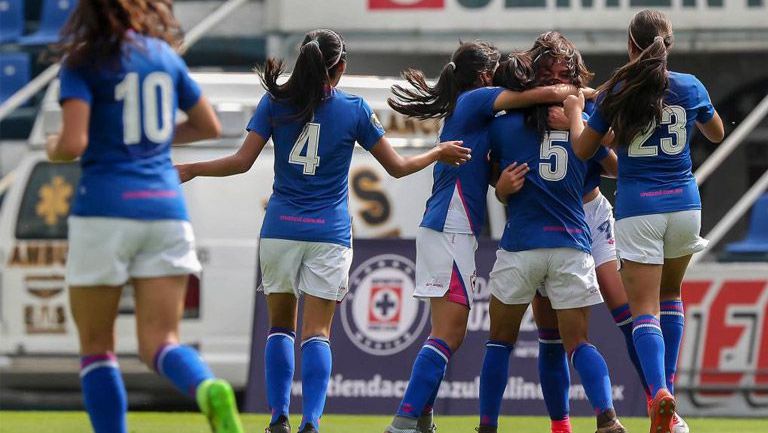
column 452, row 65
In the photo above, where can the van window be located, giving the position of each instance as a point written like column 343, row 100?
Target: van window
column 47, row 199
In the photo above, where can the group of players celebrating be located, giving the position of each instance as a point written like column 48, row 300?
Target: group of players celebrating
column 524, row 122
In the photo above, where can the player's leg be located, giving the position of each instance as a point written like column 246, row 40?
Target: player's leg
column 640, row 247
column 279, row 262
column 554, row 373
column 96, row 273
column 445, row 267
column 323, row 279
column 513, row 282
column 94, row 310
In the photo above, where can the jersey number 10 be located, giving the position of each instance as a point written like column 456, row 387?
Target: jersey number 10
column 158, row 129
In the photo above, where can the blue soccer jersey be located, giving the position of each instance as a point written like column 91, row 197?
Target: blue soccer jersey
column 126, row 169
column 655, row 168
column 547, row 212
column 458, row 200
column 309, row 199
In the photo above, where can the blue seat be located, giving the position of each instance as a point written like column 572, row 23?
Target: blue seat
column 53, row 17
column 756, row 242
column 11, row 20
column 14, row 73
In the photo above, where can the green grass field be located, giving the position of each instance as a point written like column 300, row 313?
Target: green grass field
column 149, row 422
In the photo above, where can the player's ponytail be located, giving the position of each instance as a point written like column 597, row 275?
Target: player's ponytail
column 634, row 94
column 320, row 56
column 425, row 101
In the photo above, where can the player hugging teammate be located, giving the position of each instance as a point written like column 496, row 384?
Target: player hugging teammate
column 517, row 123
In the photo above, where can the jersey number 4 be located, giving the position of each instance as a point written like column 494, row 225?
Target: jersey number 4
column 553, row 170
column 156, row 85
column 309, row 138
column 673, row 117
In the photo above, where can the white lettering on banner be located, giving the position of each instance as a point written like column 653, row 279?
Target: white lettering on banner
column 378, row 387
column 496, row 15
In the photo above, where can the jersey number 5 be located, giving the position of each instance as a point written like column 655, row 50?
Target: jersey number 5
column 553, row 171
column 674, row 117
column 155, row 85
column 309, row 138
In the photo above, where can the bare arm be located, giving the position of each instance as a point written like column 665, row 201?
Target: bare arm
column 585, row 140
column 556, row 94
column 73, row 139
column 201, row 124
column 713, row 129
column 449, row 152
column 610, row 165
column 239, row 162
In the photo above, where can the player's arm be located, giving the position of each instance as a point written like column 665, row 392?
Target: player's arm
column 584, row 139
column 73, row 139
column 239, row 162
column 510, row 181
column 713, row 128
column 449, row 152
column 508, row 99
column 201, row 124
column 610, row 165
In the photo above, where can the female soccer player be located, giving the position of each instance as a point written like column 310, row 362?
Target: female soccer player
column 121, row 83
column 652, row 111
column 545, row 247
column 455, row 213
column 305, row 245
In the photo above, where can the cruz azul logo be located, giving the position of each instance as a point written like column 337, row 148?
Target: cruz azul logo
column 725, row 347
column 379, row 315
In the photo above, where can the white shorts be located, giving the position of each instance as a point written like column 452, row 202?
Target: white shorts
column 109, row 251
column 599, row 215
column 652, row 238
column 320, row 269
column 445, row 263
column 565, row 275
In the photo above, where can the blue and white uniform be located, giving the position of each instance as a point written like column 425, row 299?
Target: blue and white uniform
column 455, row 213
column 306, row 238
column 658, row 208
column 129, row 218
column 546, row 242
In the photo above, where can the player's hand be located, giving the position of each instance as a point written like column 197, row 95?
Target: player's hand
column 556, row 119
column 574, row 105
column 185, row 172
column 453, row 153
column 589, row 93
column 511, row 179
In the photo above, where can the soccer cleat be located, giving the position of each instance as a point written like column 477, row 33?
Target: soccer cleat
column 391, row 429
column 607, row 422
column 280, row 426
column 217, row 402
column 662, row 411
column 679, row 425
column 486, row 429
column 308, row 428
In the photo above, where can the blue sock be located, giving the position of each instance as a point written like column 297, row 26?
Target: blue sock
column 623, row 318
column 428, row 371
column 104, row 393
column 279, row 364
column 183, row 366
column 493, row 381
column 649, row 344
column 316, row 360
column 430, row 406
column 672, row 323
column 554, row 374
column 594, row 376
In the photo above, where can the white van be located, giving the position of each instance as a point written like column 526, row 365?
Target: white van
column 37, row 334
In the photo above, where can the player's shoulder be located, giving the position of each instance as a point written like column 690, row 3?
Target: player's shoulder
column 683, row 81
column 347, row 98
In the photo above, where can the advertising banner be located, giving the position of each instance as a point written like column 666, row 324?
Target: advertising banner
column 379, row 328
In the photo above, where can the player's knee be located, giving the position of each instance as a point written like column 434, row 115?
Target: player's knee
column 93, row 341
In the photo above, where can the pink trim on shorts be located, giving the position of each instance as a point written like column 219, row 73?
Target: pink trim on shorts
column 457, row 290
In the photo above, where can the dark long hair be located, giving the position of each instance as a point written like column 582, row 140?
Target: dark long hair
column 462, row 73
column 320, row 56
column 97, row 29
column 515, row 72
column 634, row 94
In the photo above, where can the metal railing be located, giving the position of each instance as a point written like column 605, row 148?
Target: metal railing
column 45, row 77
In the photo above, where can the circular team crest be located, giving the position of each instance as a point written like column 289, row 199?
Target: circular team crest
column 380, row 315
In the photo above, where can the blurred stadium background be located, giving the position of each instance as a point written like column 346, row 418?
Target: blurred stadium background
column 724, row 363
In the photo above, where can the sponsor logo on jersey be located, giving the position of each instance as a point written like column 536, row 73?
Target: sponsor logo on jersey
column 379, row 315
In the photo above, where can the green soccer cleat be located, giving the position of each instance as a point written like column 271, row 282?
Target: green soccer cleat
column 217, row 402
